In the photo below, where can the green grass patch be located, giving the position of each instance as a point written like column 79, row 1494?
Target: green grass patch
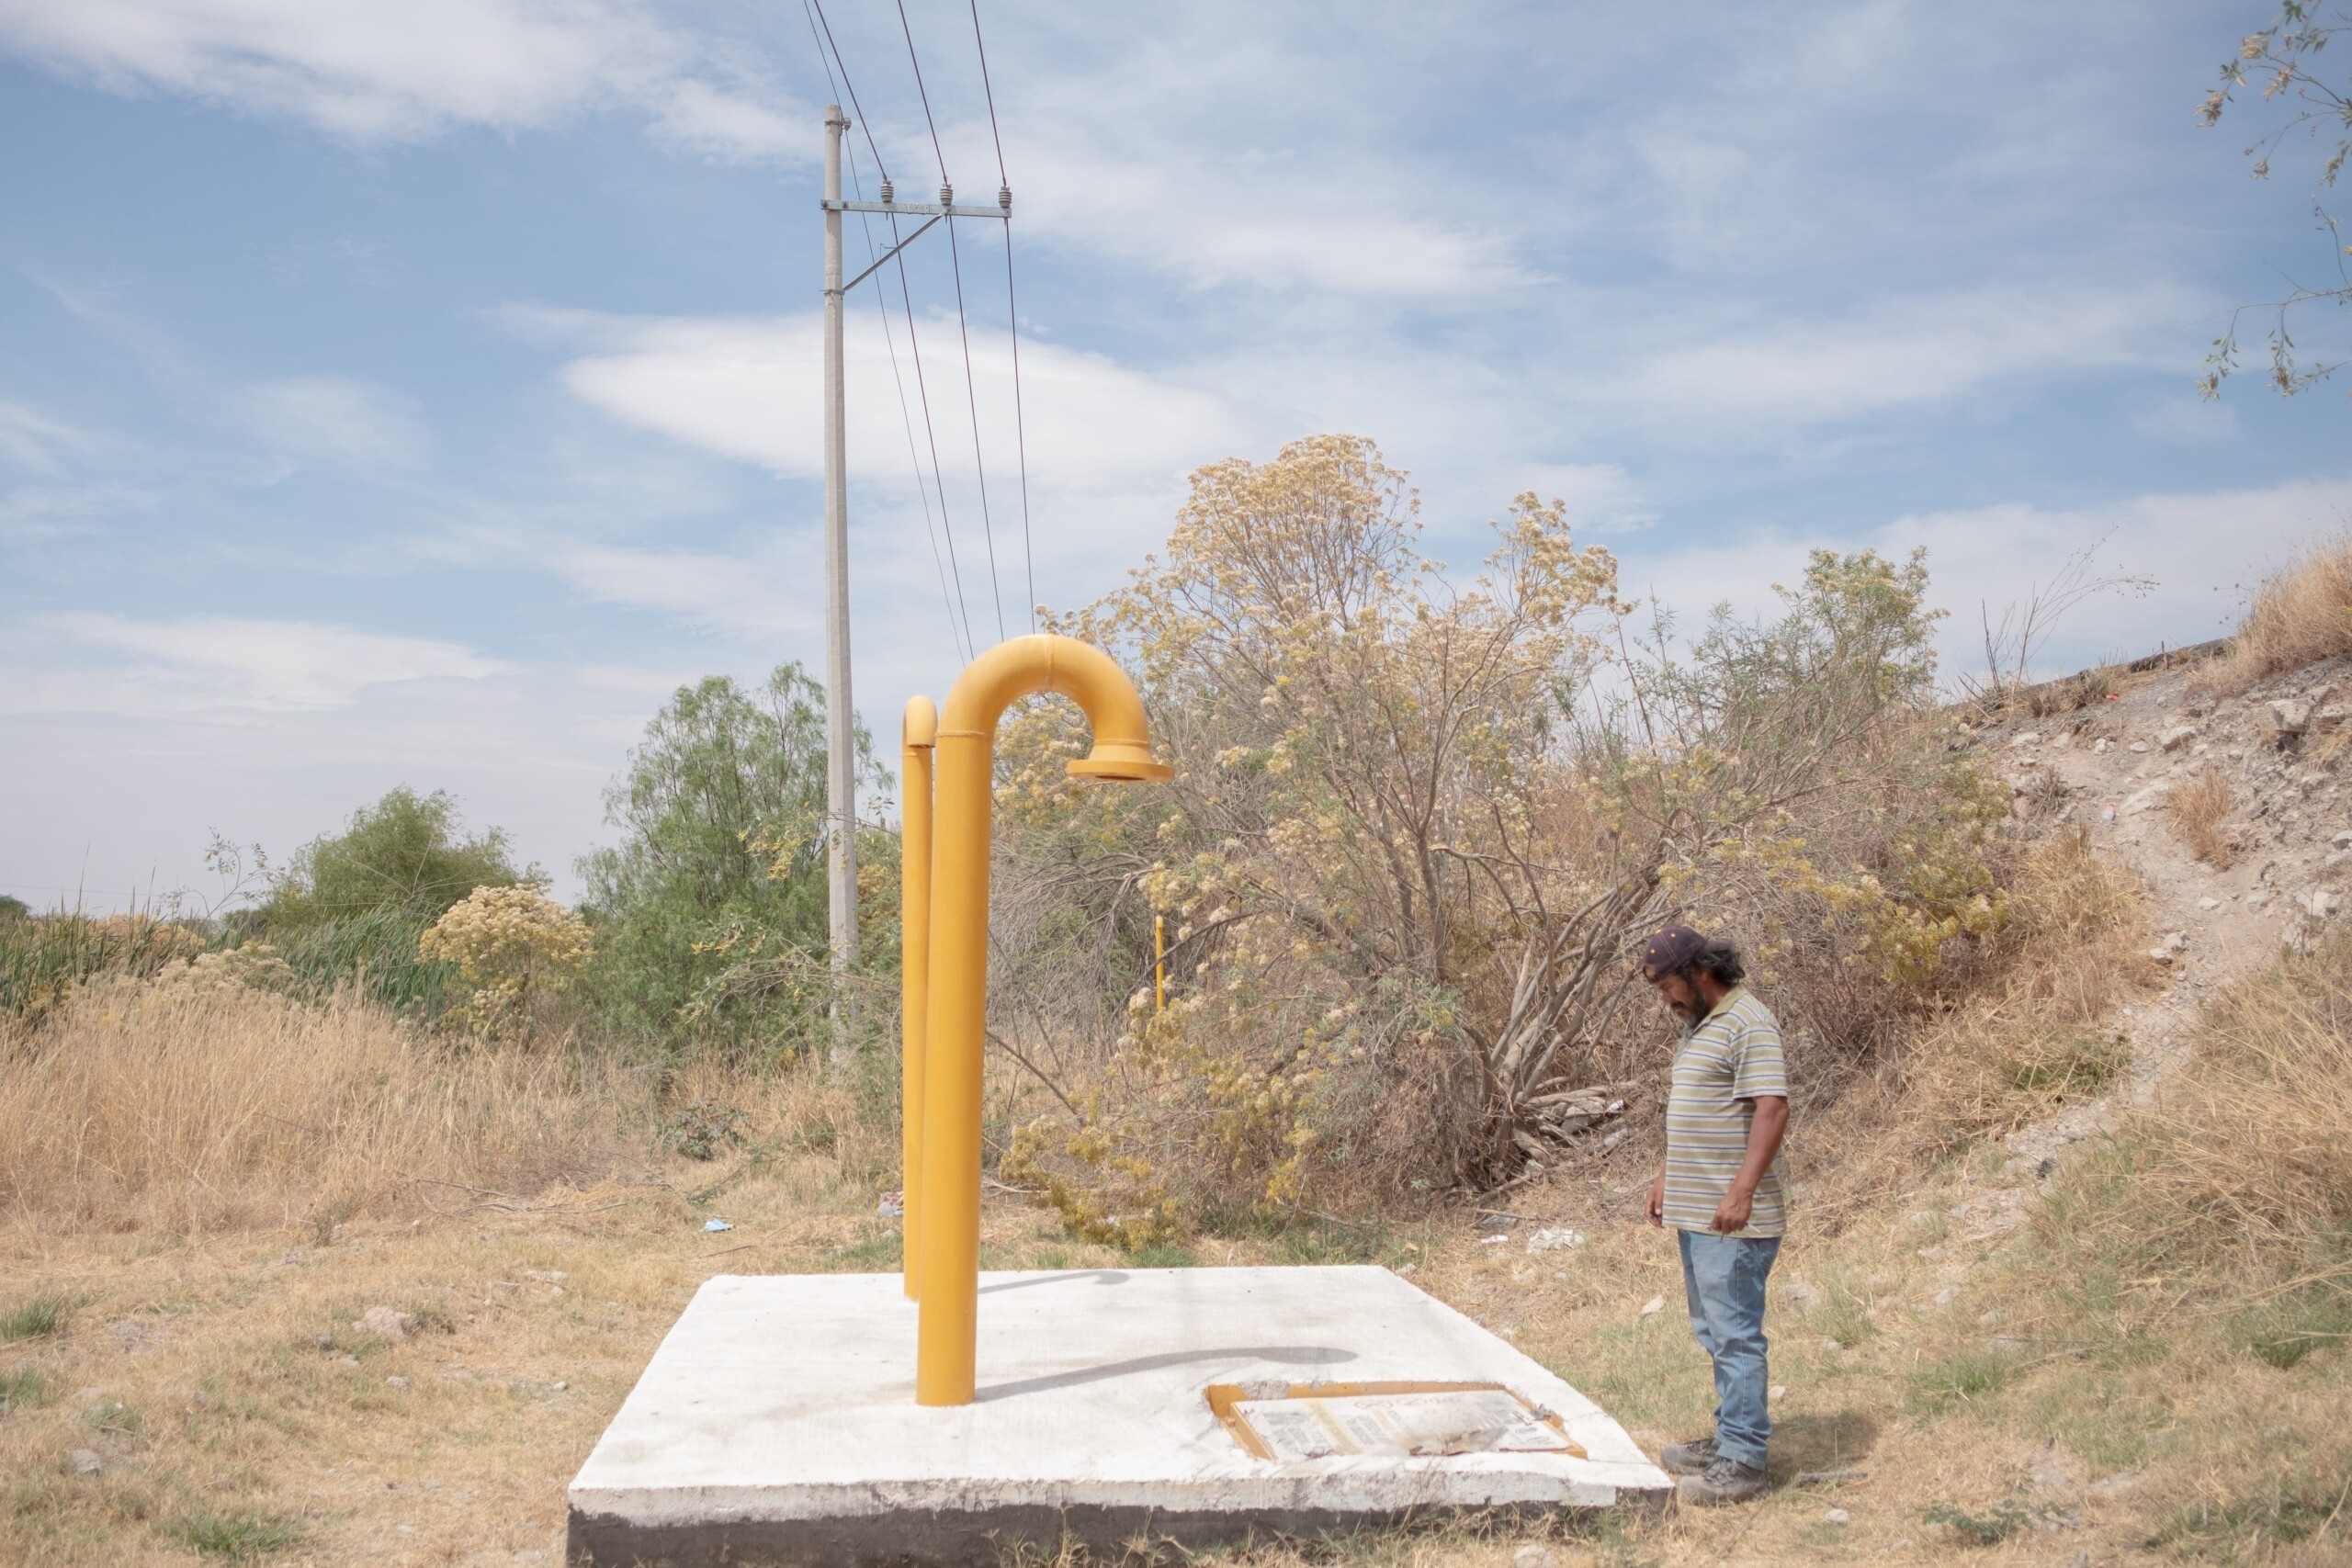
column 1963, row 1376
column 1988, row 1529
column 23, row 1388
column 37, row 1319
column 2296, row 1508
column 239, row 1538
column 2284, row 1331
column 2072, row 1063
column 1162, row 1255
column 875, row 1254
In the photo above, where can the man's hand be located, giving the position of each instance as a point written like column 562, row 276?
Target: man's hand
column 1730, row 1215
column 1657, row 1210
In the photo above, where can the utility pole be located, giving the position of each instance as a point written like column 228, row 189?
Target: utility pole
column 840, row 714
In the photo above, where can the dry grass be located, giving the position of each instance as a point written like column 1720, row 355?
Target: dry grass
column 142, row 1107
column 2301, row 615
column 2199, row 810
column 2035, row 1033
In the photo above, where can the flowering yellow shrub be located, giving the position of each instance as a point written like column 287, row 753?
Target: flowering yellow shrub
column 514, row 946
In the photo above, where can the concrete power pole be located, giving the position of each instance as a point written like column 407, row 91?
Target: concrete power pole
column 841, row 712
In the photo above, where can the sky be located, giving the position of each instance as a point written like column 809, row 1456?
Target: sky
column 419, row 394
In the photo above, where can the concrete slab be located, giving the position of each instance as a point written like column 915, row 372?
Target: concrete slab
column 777, row 1423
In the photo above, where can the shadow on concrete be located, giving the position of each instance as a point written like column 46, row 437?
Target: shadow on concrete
column 1839, row 1441
column 1282, row 1354
column 1100, row 1276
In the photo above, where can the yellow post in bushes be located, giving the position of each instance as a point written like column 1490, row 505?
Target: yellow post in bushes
column 918, row 732
column 957, row 1016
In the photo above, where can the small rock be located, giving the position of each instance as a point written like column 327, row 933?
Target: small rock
column 2290, row 715
column 1944, row 1296
column 2330, row 718
column 2047, row 1168
column 1554, row 1239
column 2161, row 954
column 1532, row 1555
column 1779, row 1392
column 2102, row 746
column 2177, row 941
column 2209, row 903
column 2138, row 745
column 561, row 1384
column 2341, row 841
column 1407, row 1270
column 1836, row 1517
column 2146, row 799
column 85, row 1461
column 2179, row 735
column 384, row 1322
column 397, row 1386
column 1833, row 1346
column 891, row 1205
column 1653, row 1306
column 2028, row 738
column 2322, row 902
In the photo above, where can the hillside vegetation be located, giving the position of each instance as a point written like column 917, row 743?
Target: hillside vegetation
column 336, row 1229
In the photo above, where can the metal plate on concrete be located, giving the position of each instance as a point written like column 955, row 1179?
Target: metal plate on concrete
column 1310, row 1421
column 777, row 1424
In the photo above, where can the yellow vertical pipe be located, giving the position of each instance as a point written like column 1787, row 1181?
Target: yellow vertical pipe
column 956, row 1014
column 1159, row 963
column 918, row 732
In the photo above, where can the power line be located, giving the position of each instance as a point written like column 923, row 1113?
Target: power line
column 863, row 129
column 1012, row 319
column 954, row 602
column 1019, row 426
column 957, row 608
column 963, row 322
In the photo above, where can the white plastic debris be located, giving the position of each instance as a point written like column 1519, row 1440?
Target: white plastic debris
column 716, row 1225
column 1555, row 1238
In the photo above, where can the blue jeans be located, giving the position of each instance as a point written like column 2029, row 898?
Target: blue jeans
column 1723, row 1279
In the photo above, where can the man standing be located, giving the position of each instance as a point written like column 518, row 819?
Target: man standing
column 1720, row 1189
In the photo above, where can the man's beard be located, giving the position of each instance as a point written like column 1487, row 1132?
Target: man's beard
column 1687, row 1011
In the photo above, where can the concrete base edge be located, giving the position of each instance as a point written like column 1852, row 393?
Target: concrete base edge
column 983, row 1539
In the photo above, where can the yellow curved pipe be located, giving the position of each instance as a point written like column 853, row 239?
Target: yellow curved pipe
column 918, row 733
column 957, row 1015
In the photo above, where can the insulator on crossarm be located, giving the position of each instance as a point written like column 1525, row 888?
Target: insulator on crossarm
column 947, row 194
column 886, row 193
column 1004, row 198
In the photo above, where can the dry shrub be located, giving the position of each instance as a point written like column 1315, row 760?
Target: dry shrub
column 2032, row 1033
column 203, row 1108
column 2199, row 810
column 2301, row 615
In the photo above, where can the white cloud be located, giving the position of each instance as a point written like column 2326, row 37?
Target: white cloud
column 2204, row 551
column 369, row 72
column 749, row 388
column 338, row 418
column 31, row 439
column 1898, row 352
column 217, row 664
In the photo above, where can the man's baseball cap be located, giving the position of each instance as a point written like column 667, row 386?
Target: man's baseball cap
column 1670, row 948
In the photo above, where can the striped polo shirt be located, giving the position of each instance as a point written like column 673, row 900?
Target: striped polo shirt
column 1724, row 1063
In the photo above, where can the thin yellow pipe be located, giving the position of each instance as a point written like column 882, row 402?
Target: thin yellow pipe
column 918, row 733
column 956, row 1014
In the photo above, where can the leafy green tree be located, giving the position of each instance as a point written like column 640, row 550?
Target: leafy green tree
column 710, row 913
column 407, row 856
column 13, row 908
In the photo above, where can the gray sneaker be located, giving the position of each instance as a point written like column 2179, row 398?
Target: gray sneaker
column 1688, row 1459
column 1726, row 1481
